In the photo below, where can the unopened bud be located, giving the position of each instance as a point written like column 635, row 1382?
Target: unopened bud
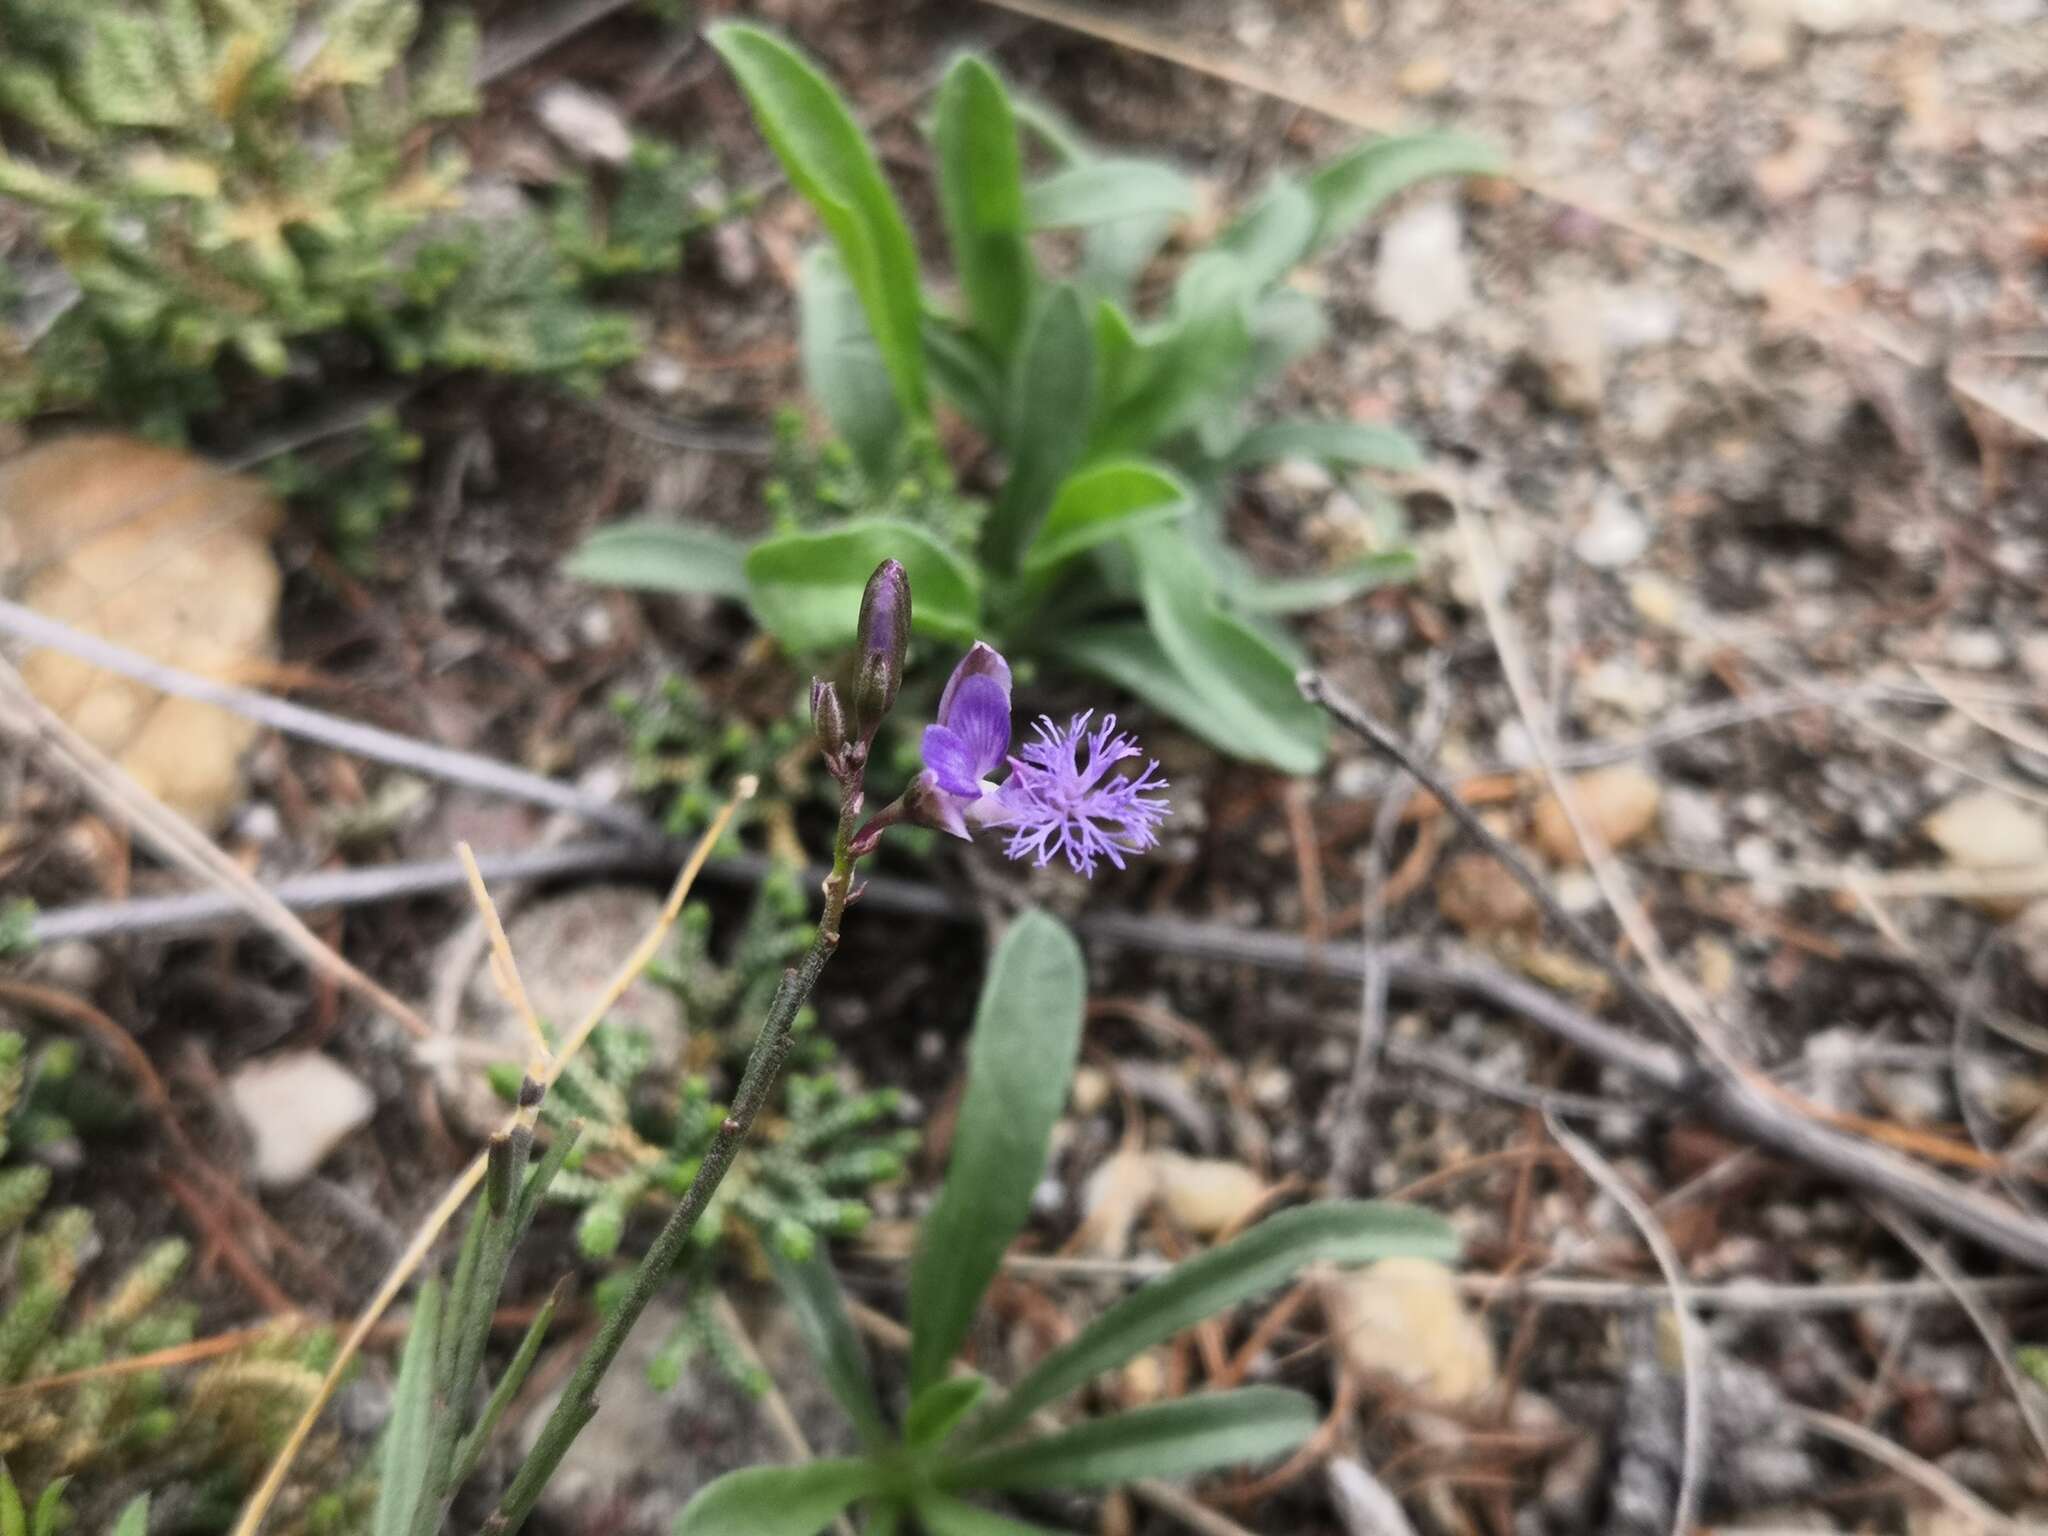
column 884, row 639
column 828, row 721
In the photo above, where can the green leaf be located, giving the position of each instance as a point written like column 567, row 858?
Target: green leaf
column 49, row 1511
column 1325, row 589
column 1356, row 444
column 402, row 1475
column 940, row 1406
column 134, row 1517
column 13, row 1515
column 943, row 1515
column 1334, row 1232
column 965, row 373
column 1175, row 1439
column 812, row 1291
column 981, row 194
column 1202, row 353
column 1275, row 236
column 1127, row 654
column 1104, row 501
column 1027, row 1030
column 1253, row 704
column 805, row 587
column 1051, row 399
column 778, row 1501
column 842, row 365
column 1100, row 191
column 827, row 157
column 652, row 556
column 1351, row 188
column 884, row 1519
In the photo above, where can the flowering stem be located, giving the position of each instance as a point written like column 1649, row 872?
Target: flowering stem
column 771, row 1047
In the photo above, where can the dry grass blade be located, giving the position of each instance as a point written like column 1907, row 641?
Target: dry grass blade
column 1613, row 881
column 176, row 839
column 1692, row 1338
column 1915, row 1470
column 1996, row 1339
column 422, row 1243
column 351, row 736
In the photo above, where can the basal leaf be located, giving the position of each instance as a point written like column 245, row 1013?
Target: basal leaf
column 981, row 194
column 1270, row 1254
column 778, row 1501
column 843, row 367
column 1166, row 1440
column 402, row 1453
column 1104, row 501
column 940, row 1406
column 1352, row 187
column 1274, row 235
column 1355, row 444
column 653, row 556
column 1098, row 191
column 1324, row 589
column 1027, row 1030
column 812, row 1291
column 1128, row 654
column 805, row 587
column 828, row 160
column 1247, row 686
column 1051, row 400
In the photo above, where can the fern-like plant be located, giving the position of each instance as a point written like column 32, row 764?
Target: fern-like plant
column 207, row 1432
column 242, row 180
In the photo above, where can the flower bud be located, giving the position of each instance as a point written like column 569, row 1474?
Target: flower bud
column 884, row 638
column 828, row 721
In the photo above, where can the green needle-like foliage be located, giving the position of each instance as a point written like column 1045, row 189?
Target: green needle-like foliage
column 64, row 1312
column 804, row 1179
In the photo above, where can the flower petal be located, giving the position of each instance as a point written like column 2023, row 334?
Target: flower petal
column 950, row 763
column 931, row 806
column 980, row 718
column 981, row 660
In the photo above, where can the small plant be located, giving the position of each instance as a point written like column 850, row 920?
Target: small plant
column 208, row 1431
column 955, row 1437
column 686, row 750
column 49, row 1515
column 1120, row 432
column 437, row 1433
column 803, row 1181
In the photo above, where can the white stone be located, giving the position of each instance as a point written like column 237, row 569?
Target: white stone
column 1615, row 535
column 297, row 1107
column 587, row 125
column 1976, row 650
column 1422, row 280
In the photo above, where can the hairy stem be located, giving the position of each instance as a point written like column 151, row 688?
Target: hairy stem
column 579, row 1399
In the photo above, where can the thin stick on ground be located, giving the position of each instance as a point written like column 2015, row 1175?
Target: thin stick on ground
column 25, row 717
column 1352, row 1144
column 1692, row 1338
column 1996, row 1339
column 251, row 1519
column 1914, row 1469
column 351, row 736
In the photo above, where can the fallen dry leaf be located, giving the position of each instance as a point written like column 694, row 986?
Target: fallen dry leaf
column 1620, row 803
column 1207, row 1195
column 1403, row 1319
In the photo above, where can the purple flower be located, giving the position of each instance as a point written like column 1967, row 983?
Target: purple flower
column 1064, row 797
column 1064, row 794
column 967, row 743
